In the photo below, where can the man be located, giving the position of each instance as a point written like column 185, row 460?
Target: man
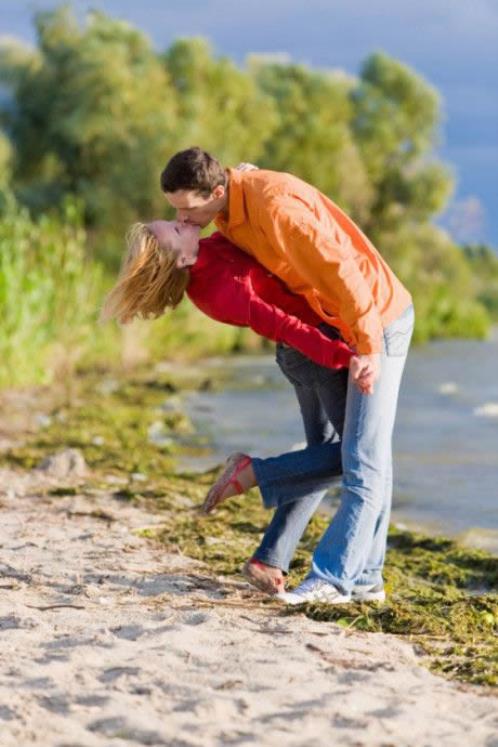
column 317, row 250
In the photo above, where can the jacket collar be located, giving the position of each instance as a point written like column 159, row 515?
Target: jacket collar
column 236, row 208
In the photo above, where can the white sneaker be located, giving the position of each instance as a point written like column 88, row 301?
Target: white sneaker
column 365, row 593
column 315, row 590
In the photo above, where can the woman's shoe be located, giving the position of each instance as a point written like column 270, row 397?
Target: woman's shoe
column 266, row 578
column 234, row 466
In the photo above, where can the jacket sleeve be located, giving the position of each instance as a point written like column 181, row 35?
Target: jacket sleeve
column 269, row 321
column 326, row 261
column 239, row 304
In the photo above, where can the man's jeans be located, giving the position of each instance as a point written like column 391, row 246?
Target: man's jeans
column 347, row 432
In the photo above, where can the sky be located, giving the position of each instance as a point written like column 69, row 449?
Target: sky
column 452, row 43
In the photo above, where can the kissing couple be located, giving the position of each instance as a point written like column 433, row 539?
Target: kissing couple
column 289, row 263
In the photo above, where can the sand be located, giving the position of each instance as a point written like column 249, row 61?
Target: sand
column 108, row 641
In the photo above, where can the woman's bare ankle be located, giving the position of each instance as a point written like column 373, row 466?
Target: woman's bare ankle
column 245, row 478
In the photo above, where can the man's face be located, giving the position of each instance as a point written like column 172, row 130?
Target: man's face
column 182, row 239
column 192, row 207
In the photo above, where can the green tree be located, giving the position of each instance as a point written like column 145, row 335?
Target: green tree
column 440, row 280
column 395, row 124
column 483, row 262
column 313, row 139
column 94, row 112
column 94, row 115
column 6, row 157
column 219, row 106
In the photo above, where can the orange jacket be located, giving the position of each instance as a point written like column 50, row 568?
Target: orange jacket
column 316, row 249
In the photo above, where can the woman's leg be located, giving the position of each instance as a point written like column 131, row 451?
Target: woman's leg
column 291, row 519
column 296, row 481
column 296, row 475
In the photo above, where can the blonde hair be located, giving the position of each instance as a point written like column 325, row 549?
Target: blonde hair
column 149, row 281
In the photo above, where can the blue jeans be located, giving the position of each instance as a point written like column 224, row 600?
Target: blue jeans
column 346, row 432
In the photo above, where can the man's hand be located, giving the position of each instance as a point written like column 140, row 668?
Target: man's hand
column 365, row 370
column 246, row 167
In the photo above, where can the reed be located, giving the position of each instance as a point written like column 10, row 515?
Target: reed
column 48, row 295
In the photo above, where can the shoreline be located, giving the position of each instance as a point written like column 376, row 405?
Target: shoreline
column 436, row 469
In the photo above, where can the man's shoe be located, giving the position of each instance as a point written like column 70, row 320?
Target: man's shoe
column 366, row 593
column 315, row 590
column 264, row 577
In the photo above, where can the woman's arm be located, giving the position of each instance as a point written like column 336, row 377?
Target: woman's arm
column 232, row 287
column 271, row 322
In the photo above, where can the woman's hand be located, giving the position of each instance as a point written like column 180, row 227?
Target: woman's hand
column 246, row 167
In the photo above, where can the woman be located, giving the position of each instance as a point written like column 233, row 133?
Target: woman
column 231, row 287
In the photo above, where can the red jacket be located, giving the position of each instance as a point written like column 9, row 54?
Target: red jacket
column 230, row 286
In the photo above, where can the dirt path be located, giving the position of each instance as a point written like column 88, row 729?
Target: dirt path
column 105, row 640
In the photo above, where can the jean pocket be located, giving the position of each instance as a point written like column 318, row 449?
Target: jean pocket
column 398, row 334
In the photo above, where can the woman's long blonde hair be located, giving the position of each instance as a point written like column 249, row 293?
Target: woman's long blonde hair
column 149, row 281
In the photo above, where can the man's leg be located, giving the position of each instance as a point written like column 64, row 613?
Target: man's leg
column 372, row 572
column 353, row 547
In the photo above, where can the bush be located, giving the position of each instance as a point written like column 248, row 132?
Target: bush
column 49, row 294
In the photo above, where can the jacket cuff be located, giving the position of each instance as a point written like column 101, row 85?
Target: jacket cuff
column 344, row 358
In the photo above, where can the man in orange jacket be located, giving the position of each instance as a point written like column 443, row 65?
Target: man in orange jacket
column 317, row 250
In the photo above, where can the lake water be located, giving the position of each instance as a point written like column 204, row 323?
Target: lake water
column 445, row 442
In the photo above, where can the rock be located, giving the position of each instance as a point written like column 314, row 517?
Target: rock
column 42, row 420
column 138, row 477
column 67, row 463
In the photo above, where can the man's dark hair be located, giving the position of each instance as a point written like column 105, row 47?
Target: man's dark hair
column 193, row 169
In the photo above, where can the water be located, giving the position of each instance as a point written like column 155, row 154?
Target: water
column 445, row 443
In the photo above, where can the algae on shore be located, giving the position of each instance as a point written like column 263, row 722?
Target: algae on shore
column 440, row 595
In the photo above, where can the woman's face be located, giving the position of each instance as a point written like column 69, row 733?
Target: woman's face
column 180, row 238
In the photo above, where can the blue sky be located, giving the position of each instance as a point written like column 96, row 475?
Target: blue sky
column 452, row 43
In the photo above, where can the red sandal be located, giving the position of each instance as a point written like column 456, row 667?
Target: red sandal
column 234, row 466
column 266, row 578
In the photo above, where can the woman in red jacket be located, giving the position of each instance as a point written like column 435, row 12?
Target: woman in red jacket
column 224, row 282
column 230, row 286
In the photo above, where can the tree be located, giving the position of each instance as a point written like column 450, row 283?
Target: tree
column 313, row 138
column 484, row 264
column 94, row 115
column 440, row 279
column 396, row 116
column 220, row 107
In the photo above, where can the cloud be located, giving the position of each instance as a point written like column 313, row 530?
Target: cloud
column 466, row 220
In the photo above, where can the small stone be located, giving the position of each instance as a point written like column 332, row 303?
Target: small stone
column 67, row 463
column 108, row 386
column 43, row 420
column 138, row 476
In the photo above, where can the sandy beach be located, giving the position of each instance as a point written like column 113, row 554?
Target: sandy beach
column 105, row 639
